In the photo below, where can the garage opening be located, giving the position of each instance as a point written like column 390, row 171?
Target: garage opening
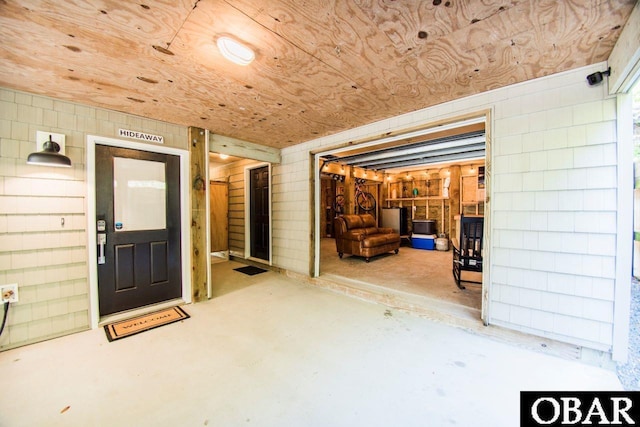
column 422, row 184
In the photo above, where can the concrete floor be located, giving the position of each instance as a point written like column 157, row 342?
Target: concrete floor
column 271, row 351
column 414, row 271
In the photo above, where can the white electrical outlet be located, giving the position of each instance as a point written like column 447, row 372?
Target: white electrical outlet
column 9, row 293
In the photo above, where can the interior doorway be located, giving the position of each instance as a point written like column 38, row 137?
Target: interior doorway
column 431, row 175
column 231, row 221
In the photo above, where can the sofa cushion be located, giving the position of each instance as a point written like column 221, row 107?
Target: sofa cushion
column 356, row 235
column 380, row 240
column 368, row 220
column 370, row 230
column 352, row 221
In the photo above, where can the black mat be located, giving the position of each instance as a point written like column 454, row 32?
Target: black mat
column 250, row 270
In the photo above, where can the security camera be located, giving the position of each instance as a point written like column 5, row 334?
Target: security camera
column 595, row 78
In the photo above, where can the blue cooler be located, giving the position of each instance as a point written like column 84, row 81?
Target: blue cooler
column 423, row 241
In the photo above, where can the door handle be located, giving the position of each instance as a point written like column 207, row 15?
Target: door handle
column 102, row 241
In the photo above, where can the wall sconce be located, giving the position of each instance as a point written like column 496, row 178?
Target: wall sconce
column 52, row 153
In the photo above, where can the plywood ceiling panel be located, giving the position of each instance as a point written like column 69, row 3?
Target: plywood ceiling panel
column 322, row 66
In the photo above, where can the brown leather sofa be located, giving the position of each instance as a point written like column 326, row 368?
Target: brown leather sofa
column 359, row 235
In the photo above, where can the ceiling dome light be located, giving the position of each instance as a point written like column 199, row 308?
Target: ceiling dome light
column 235, row 51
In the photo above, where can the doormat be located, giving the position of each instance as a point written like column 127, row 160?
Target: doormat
column 126, row 328
column 250, row 270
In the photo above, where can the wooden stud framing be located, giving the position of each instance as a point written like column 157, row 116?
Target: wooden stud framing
column 199, row 250
column 239, row 148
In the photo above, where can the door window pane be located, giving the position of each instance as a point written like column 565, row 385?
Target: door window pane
column 140, row 194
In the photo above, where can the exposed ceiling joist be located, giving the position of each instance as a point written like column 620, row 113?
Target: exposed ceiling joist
column 433, row 160
column 446, row 149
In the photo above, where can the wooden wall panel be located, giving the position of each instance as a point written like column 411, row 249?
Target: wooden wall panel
column 219, row 216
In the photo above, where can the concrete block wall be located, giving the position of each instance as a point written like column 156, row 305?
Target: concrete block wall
column 44, row 256
column 552, row 203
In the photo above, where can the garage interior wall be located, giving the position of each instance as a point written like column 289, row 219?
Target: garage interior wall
column 552, row 201
column 48, row 260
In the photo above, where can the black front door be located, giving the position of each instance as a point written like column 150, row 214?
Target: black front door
column 138, row 219
column 259, row 212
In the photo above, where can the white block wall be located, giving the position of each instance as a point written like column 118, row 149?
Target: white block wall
column 291, row 213
column 552, row 202
column 46, row 259
column 554, row 205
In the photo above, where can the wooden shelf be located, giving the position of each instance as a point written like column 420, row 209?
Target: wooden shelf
column 417, row 198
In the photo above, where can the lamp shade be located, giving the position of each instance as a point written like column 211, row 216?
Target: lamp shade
column 49, row 156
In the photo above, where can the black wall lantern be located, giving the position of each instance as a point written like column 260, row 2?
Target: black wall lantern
column 49, row 156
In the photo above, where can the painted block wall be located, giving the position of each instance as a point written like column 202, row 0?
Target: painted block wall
column 291, row 194
column 552, row 200
column 46, row 259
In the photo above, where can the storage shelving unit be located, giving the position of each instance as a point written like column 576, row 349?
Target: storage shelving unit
column 472, row 197
column 429, row 192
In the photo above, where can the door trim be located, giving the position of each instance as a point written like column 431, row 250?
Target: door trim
column 185, row 235
column 247, row 212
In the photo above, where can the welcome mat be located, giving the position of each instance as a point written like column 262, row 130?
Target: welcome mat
column 250, row 270
column 126, row 328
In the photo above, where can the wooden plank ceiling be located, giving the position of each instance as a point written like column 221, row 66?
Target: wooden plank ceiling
column 322, row 66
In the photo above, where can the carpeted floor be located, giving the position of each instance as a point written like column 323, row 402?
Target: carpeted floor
column 416, row 271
